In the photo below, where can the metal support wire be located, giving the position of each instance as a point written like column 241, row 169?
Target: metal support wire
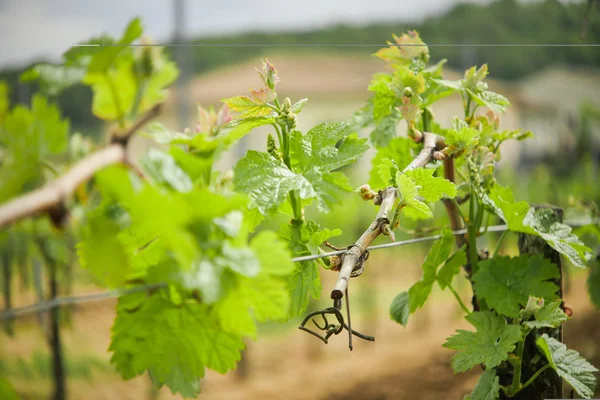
column 69, row 300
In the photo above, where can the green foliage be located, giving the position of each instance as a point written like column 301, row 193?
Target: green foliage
column 29, row 137
column 175, row 343
column 420, row 182
column 324, row 149
column 569, row 365
column 520, row 217
column 493, row 340
column 399, row 308
column 400, row 151
column 268, row 181
column 549, row 316
column 432, row 188
column 487, row 388
column 180, row 223
column 461, row 138
column 7, row 391
column 506, row 283
column 451, row 268
column 439, row 252
column 304, row 282
column 406, row 303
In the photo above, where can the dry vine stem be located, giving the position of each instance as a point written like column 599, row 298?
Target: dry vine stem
column 386, row 200
column 51, row 197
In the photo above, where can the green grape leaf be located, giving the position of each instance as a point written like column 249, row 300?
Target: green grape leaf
column 408, row 191
column 323, row 149
column 268, row 298
column 247, row 107
column 101, row 252
column 164, row 170
column 452, row 85
column 272, row 253
column 520, row 217
column 506, row 283
column 439, row 252
column 418, row 294
column 239, row 259
column 303, row 282
column 549, row 316
column 401, row 150
column 173, row 343
column 487, row 388
column 437, row 89
column 114, row 91
column 28, row 137
column 385, row 130
column 451, row 268
column 494, row 101
column 103, row 59
column 407, row 47
column 387, row 171
column 268, row 181
column 36, row 131
column 473, row 79
column 53, row 79
column 264, row 298
column 432, row 188
column 297, row 106
column 399, row 309
column 502, row 201
column 462, row 139
column 231, row 223
column 159, row 133
column 213, row 146
column 559, row 236
column 403, row 78
column 569, row 365
column 503, row 136
column 489, row 345
column 326, row 147
column 252, row 219
column 319, row 237
column 384, row 97
column 164, row 73
column 196, row 168
column 593, row 284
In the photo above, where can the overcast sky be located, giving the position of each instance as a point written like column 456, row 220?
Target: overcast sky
column 34, row 29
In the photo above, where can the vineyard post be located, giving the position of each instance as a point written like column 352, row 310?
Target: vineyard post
column 54, row 336
column 548, row 385
column 6, row 281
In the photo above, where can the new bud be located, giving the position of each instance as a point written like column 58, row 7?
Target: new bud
column 366, row 193
column 534, row 304
column 287, row 103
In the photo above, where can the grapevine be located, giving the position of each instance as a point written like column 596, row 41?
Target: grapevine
column 186, row 245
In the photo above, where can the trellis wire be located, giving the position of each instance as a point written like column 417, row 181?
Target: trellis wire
column 71, row 300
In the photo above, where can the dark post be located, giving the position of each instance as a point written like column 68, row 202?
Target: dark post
column 54, row 339
column 548, row 385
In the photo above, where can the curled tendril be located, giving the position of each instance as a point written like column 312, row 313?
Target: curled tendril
column 330, row 329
